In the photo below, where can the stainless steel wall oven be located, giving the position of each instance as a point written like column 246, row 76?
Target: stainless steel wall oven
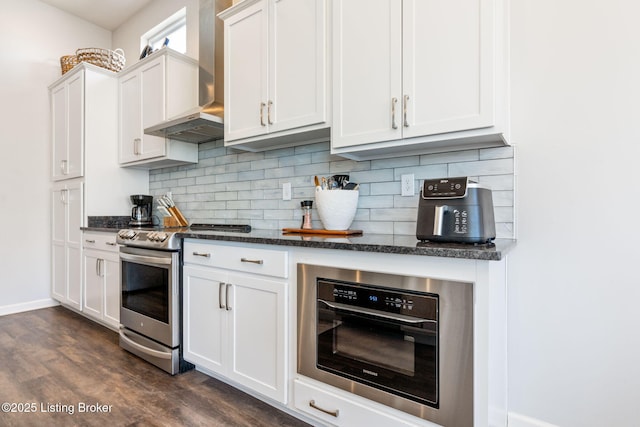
column 406, row 342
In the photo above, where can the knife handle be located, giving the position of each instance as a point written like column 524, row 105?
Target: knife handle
column 175, row 212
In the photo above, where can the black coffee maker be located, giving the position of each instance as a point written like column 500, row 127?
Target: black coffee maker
column 141, row 211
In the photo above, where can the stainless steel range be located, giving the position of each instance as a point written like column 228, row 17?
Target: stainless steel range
column 151, row 299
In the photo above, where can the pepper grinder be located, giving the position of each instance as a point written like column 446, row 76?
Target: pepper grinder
column 306, row 214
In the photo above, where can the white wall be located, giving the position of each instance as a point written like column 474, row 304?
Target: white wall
column 34, row 37
column 574, row 290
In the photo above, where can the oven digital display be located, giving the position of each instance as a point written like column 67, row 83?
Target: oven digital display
column 381, row 299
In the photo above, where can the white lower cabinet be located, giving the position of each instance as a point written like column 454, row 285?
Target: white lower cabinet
column 66, row 219
column 101, row 267
column 340, row 411
column 234, row 322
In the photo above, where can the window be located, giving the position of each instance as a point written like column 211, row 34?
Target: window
column 173, row 28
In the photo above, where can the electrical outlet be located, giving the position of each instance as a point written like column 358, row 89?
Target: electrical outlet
column 407, row 181
column 286, row 191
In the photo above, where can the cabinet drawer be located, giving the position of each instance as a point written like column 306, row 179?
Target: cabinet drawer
column 246, row 259
column 100, row 241
column 339, row 411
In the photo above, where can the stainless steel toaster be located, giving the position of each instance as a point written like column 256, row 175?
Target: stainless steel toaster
column 455, row 210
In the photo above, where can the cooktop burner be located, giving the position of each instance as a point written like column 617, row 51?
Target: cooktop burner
column 166, row 238
column 238, row 228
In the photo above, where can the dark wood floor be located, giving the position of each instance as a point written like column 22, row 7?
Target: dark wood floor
column 54, row 361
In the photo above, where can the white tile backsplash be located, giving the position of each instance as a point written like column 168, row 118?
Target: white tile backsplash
column 231, row 186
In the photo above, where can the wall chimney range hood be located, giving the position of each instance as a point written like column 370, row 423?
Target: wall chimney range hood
column 204, row 123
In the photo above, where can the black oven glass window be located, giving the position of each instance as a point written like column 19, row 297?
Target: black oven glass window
column 145, row 290
column 373, row 336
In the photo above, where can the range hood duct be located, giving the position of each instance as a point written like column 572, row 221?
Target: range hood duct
column 206, row 122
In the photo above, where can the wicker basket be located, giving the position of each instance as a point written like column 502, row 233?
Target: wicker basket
column 110, row 59
column 67, row 62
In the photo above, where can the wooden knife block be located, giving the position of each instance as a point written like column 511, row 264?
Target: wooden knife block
column 170, row 221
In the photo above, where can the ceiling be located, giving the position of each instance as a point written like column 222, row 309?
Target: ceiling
column 106, row 14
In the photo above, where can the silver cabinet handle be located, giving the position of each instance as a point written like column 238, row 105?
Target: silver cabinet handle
column 63, row 196
column 406, row 101
column 262, row 105
column 202, row 254
column 99, row 267
column 89, row 240
column 64, row 167
column 269, row 105
column 220, row 286
column 394, row 101
column 110, row 243
column 253, row 261
column 226, row 297
column 136, row 146
column 335, row 413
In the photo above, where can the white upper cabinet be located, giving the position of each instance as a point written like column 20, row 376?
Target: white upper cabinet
column 275, row 73
column 156, row 89
column 414, row 76
column 67, row 119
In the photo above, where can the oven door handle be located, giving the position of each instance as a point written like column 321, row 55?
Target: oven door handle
column 376, row 313
column 145, row 259
column 145, row 350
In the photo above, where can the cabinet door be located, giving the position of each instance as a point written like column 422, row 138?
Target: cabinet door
column 153, row 107
column 93, row 283
column 59, row 131
column 75, row 125
column 367, row 71
column 204, row 320
column 59, row 247
column 130, row 118
column 297, row 64
column 258, row 335
column 74, row 206
column 245, row 73
column 67, row 214
column 448, row 66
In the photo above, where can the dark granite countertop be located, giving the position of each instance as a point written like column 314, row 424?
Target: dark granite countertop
column 380, row 243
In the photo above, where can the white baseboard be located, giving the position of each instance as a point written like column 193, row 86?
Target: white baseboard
column 27, row 306
column 517, row 420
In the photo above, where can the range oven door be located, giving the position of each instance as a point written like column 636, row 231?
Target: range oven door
column 364, row 334
column 149, row 300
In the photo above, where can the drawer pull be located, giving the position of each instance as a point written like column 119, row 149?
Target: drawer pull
column 111, row 243
column 335, row 413
column 89, row 240
column 253, row 261
column 206, row 255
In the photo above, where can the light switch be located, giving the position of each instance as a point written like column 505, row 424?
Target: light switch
column 286, row 191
